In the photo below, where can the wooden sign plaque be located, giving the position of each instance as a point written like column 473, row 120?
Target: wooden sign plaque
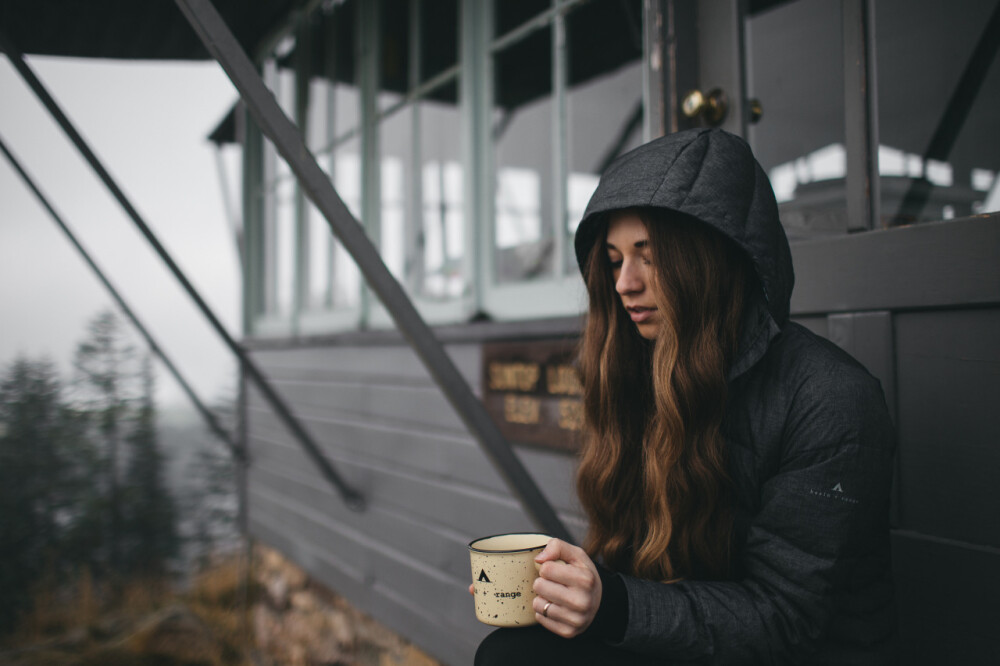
column 533, row 392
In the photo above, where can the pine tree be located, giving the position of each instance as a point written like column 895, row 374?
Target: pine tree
column 150, row 515
column 107, row 374
column 45, row 461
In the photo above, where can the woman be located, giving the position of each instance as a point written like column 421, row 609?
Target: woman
column 737, row 467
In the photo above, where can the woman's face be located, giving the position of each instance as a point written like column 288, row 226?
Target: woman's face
column 631, row 265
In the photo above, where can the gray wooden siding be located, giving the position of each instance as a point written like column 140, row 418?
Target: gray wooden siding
column 920, row 307
column 380, row 420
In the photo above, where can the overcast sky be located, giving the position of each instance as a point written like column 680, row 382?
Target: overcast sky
column 148, row 123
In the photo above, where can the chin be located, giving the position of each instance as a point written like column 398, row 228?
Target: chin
column 648, row 331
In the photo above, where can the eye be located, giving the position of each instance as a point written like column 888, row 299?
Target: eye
column 614, row 263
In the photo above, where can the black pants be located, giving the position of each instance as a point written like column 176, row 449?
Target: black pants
column 528, row 646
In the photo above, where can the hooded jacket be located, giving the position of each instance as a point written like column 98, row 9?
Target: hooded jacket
column 808, row 437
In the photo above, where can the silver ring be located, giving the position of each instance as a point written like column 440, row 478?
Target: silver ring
column 545, row 611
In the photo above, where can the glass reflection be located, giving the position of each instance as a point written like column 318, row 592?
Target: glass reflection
column 509, row 14
column 332, row 111
column 319, row 241
column 440, row 271
column 319, row 119
column 395, row 158
column 284, row 245
column 346, row 288
column 394, row 61
column 438, row 36
column 795, row 69
column 522, row 135
column 938, row 95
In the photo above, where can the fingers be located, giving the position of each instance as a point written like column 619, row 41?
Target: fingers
column 557, row 549
column 472, row 589
column 580, row 594
column 566, row 564
column 569, row 584
column 553, row 618
column 560, row 620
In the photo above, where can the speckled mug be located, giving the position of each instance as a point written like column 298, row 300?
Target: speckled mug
column 503, row 571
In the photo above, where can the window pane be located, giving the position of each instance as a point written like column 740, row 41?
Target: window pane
column 338, row 53
column 394, row 63
column 604, row 99
column 332, row 113
column 940, row 150
column 522, row 135
column 318, row 116
column 279, row 76
column 795, row 70
column 280, row 79
column 438, row 36
column 320, row 254
column 395, row 160
column 512, row 13
column 284, row 244
column 441, row 273
column 347, row 181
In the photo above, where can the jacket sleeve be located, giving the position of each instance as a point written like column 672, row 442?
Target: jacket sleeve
column 822, row 515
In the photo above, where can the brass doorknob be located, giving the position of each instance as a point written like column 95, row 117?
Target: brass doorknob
column 712, row 106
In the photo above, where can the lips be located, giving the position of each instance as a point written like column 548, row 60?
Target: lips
column 639, row 313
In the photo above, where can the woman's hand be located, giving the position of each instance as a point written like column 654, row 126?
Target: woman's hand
column 568, row 589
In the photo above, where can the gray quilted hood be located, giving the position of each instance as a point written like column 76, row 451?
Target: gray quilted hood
column 710, row 175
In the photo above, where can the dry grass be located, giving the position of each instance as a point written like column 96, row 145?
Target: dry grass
column 222, row 597
column 141, row 621
column 209, row 623
column 58, row 609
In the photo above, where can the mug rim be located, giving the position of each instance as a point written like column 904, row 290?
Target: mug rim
column 472, row 544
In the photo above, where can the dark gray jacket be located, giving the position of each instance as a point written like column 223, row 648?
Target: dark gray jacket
column 810, row 445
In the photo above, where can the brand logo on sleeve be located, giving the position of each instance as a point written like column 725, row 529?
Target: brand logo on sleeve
column 483, row 578
column 837, row 493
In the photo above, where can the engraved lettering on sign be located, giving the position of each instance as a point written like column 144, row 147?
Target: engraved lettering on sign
column 563, row 380
column 513, row 376
column 521, row 409
column 570, row 414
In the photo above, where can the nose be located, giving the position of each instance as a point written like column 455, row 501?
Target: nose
column 629, row 279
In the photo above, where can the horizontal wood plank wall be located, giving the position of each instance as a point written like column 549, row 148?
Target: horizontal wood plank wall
column 386, row 427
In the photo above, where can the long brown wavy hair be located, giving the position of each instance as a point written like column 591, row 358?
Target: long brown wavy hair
column 653, row 476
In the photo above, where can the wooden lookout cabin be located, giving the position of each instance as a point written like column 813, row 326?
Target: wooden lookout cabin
column 413, row 172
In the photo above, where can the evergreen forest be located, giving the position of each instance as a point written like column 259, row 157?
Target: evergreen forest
column 84, row 480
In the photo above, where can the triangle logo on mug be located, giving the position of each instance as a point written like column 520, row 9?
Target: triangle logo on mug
column 483, row 578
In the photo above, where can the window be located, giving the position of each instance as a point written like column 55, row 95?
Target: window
column 278, row 193
column 566, row 99
column 939, row 156
column 937, row 90
column 305, row 275
column 421, row 168
column 795, row 68
column 333, row 125
column 470, row 161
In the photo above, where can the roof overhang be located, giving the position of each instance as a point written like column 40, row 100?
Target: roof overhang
column 130, row 29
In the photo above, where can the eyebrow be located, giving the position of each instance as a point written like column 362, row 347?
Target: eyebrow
column 638, row 244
